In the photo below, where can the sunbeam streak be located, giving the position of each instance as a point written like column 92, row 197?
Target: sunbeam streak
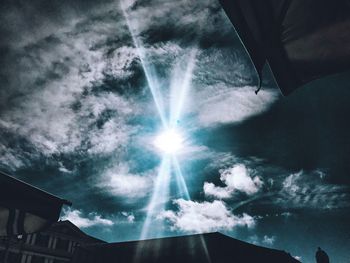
column 160, row 195
column 180, row 180
column 170, row 141
column 149, row 71
column 179, row 88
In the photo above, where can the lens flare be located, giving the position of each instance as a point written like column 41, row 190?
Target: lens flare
column 169, row 142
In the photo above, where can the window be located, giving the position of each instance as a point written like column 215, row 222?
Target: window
column 42, row 240
column 14, row 257
column 62, row 244
column 2, row 255
column 38, row 259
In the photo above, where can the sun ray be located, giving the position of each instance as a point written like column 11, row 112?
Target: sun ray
column 149, row 71
column 159, row 197
column 180, row 180
column 180, row 86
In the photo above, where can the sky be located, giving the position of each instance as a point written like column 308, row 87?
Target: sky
column 88, row 87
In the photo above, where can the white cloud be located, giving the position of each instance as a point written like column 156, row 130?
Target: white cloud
column 221, row 160
column 63, row 169
column 269, row 240
column 204, row 217
column 118, row 181
column 265, row 240
column 52, row 75
column 92, row 219
column 129, row 217
column 9, row 158
column 236, row 178
column 121, row 62
column 290, row 184
column 297, row 258
column 44, row 115
column 163, row 15
column 286, row 214
column 227, row 96
column 58, row 69
column 113, row 135
column 253, row 239
column 214, row 191
column 307, row 190
column 221, row 104
column 321, row 174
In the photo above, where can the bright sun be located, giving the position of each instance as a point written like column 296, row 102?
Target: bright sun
column 169, row 141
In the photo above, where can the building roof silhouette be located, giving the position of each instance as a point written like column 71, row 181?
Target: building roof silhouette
column 211, row 247
column 25, row 208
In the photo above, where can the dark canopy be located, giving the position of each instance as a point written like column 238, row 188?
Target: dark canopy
column 300, row 39
column 24, row 208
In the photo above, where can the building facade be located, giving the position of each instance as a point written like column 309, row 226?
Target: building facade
column 54, row 245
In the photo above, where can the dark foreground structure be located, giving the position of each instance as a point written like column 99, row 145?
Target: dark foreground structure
column 26, row 209
column 56, row 244
column 212, row 247
column 301, row 40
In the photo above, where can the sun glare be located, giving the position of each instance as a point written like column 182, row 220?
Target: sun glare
column 169, row 142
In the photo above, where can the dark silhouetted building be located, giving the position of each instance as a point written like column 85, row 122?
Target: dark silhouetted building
column 25, row 209
column 212, row 247
column 54, row 245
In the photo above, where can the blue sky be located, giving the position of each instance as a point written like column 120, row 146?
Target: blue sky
column 88, row 87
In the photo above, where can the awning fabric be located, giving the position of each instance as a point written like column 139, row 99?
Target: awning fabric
column 302, row 40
